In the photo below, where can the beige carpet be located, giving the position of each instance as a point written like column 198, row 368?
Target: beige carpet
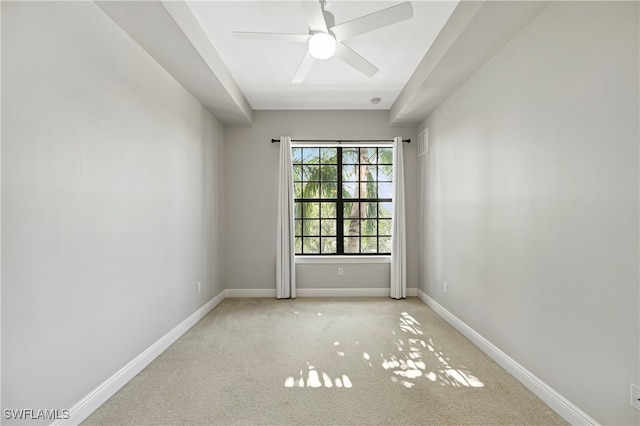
column 323, row 361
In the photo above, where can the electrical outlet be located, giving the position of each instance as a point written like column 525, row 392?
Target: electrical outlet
column 635, row 396
column 340, row 271
column 199, row 287
column 445, row 287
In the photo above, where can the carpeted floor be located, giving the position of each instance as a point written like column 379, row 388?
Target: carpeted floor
column 359, row 361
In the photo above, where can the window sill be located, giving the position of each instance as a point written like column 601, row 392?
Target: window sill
column 342, row 259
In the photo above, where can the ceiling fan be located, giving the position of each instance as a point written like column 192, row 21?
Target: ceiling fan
column 325, row 38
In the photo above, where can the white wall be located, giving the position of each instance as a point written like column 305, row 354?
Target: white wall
column 532, row 213
column 251, row 175
column 112, row 190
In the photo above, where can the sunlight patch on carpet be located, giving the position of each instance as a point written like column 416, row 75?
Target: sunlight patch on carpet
column 412, row 362
column 411, row 358
column 312, row 378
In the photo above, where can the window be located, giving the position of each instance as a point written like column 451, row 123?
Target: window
column 343, row 200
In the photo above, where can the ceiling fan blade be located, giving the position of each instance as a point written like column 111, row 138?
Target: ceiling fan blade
column 315, row 17
column 298, row 38
column 356, row 61
column 373, row 21
column 303, row 68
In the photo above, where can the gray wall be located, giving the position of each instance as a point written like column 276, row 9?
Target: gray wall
column 251, row 162
column 532, row 213
column 356, row 275
column 112, row 187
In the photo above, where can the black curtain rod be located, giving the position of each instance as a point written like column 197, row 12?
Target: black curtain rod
column 341, row 140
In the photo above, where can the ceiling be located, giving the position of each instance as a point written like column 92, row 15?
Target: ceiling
column 263, row 69
column 421, row 61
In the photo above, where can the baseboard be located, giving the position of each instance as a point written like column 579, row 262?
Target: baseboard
column 250, row 292
column 319, row 292
column 342, row 292
column 102, row 393
column 553, row 399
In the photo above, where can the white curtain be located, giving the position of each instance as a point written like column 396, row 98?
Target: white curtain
column 285, row 250
column 398, row 227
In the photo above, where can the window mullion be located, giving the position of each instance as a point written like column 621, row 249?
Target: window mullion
column 339, row 209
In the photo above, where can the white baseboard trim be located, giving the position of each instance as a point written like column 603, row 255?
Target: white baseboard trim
column 250, row 292
column 318, row 292
column 342, row 292
column 108, row 388
column 553, row 399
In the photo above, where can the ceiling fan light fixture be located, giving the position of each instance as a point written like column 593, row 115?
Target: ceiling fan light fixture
column 322, row 45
